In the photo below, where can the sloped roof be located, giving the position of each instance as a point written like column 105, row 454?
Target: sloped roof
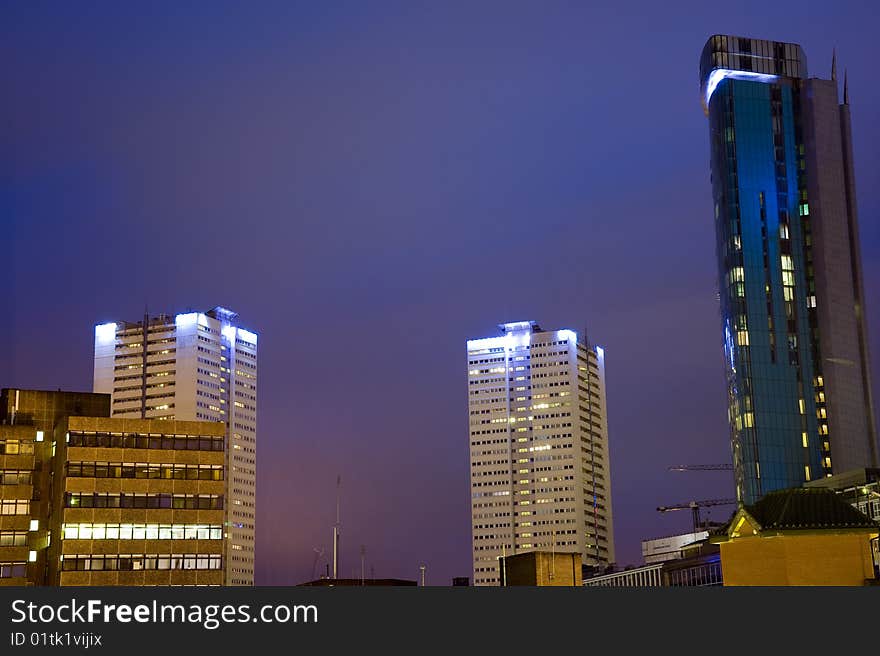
column 806, row 508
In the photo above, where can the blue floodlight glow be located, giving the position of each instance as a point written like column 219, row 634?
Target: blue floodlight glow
column 225, row 313
column 600, row 352
column 228, row 333
column 720, row 74
column 247, row 336
column 728, row 347
column 186, row 320
column 568, row 335
column 508, row 342
column 487, row 343
column 105, row 332
column 518, row 325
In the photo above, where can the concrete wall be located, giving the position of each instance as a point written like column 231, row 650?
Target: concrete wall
column 543, row 568
column 832, row 558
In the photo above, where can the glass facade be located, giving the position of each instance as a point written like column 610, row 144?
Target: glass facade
column 752, row 95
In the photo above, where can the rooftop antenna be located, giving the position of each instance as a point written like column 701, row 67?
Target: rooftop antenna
column 845, row 88
column 363, row 554
column 834, row 65
column 336, row 530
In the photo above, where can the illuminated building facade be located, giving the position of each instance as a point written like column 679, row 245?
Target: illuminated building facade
column 86, row 499
column 540, row 473
column 194, row 366
column 140, row 502
column 789, row 266
column 27, row 424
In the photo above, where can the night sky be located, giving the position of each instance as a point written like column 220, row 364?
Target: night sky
column 371, row 184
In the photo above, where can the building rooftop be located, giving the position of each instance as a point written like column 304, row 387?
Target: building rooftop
column 843, row 480
column 519, row 325
column 107, row 331
column 743, row 58
column 806, row 508
column 329, row 583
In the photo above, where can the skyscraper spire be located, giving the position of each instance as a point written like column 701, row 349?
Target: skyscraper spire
column 845, row 88
column 834, row 65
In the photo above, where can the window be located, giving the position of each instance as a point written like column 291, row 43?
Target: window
column 16, row 447
column 129, row 562
column 87, row 531
column 145, row 470
column 15, row 477
column 12, row 570
column 152, row 441
column 15, row 507
column 13, row 538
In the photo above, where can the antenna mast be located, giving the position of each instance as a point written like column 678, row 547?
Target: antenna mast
column 336, row 531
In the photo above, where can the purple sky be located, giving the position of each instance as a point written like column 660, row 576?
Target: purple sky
column 371, row 184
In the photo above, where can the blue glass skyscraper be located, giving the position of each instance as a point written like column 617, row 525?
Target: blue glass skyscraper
column 789, row 266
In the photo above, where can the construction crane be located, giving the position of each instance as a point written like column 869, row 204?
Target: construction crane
column 724, row 467
column 695, row 508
